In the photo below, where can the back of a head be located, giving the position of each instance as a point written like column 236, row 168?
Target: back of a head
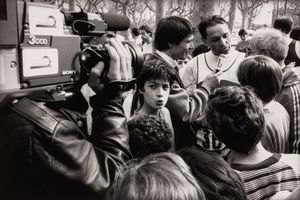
column 263, row 74
column 284, row 24
column 135, row 31
column 209, row 22
column 242, row 31
column 216, row 178
column 236, row 117
column 157, row 177
column 148, row 134
column 269, row 42
column 295, row 33
column 171, row 31
column 202, row 48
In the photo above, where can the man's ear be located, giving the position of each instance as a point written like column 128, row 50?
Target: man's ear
column 170, row 45
column 141, row 90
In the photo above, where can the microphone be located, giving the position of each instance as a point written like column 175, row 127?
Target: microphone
column 220, row 63
column 116, row 22
column 96, row 24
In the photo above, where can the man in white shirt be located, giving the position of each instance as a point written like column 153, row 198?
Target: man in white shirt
column 215, row 34
column 222, row 59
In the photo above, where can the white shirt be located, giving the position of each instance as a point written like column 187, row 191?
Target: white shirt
column 147, row 48
column 200, row 66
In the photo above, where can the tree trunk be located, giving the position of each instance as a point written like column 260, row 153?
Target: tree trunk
column 125, row 12
column 201, row 10
column 249, row 22
column 244, row 17
column 232, row 10
column 285, row 6
column 161, row 9
column 71, row 5
column 250, row 19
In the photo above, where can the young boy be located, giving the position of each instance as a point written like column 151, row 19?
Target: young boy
column 153, row 89
column 237, row 119
column 265, row 76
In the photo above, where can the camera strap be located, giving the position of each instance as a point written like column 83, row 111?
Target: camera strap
column 35, row 113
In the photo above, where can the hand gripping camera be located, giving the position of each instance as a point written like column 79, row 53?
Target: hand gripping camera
column 41, row 48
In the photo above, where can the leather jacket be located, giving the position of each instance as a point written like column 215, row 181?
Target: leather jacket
column 45, row 155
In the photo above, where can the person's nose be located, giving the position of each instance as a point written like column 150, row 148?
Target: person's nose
column 159, row 92
column 191, row 47
column 223, row 42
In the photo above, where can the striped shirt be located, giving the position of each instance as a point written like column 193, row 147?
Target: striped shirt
column 266, row 178
column 289, row 97
column 295, row 121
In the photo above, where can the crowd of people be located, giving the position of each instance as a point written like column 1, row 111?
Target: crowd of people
column 224, row 126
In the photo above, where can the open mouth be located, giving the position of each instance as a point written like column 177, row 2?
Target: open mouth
column 159, row 103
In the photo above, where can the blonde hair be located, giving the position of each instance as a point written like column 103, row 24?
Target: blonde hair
column 157, row 177
column 270, row 40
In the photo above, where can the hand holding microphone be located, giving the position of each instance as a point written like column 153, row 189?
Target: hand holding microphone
column 212, row 81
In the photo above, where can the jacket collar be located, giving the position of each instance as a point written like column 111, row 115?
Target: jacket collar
column 167, row 58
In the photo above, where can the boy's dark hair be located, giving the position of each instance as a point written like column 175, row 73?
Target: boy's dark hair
column 284, row 24
column 202, row 48
column 135, row 31
column 171, row 30
column 242, row 31
column 263, row 74
column 216, row 178
column 159, row 72
column 209, row 22
column 148, row 134
column 236, row 117
column 151, row 71
column 295, row 33
column 146, row 28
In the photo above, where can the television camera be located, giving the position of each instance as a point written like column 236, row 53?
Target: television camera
column 41, row 48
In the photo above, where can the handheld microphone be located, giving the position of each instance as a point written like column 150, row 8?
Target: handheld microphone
column 220, row 62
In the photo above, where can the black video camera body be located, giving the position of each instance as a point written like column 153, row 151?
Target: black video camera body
column 40, row 47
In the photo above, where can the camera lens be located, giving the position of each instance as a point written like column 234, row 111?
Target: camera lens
column 91, row 55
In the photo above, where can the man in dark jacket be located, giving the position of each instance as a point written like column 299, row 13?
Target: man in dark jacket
column 44, row 153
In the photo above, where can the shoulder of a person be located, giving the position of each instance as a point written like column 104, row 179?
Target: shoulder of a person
column 165, row 111
column 292, row 160
column 275, row 106
column 234, row 52
column 188, row 66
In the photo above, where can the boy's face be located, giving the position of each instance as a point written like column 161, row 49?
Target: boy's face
column 156, row 93
column 218, row 39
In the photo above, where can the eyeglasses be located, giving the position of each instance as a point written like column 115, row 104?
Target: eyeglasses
column 250, row 52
